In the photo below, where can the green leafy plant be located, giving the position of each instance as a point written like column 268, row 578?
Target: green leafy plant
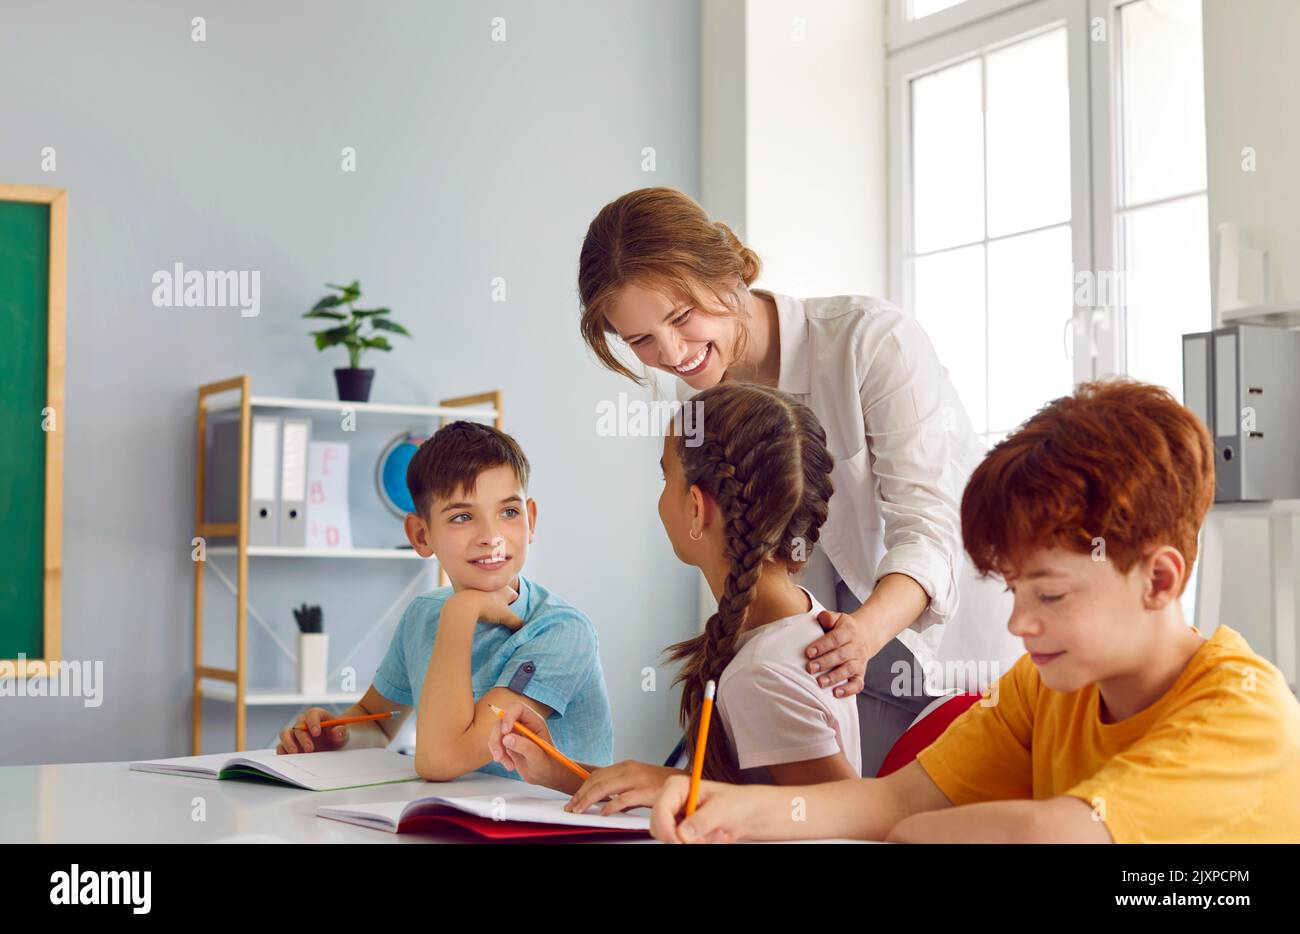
column 357, row 329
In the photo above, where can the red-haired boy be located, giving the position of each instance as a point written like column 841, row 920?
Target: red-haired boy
column 1121, row 723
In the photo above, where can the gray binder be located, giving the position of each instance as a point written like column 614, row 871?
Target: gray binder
column 221, row 476
column 1243, row 381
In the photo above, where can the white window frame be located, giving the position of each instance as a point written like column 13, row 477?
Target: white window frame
column 903, row 32
column 1005, row 28
column 1110, row 324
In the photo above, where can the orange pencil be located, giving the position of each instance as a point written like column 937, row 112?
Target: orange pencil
column 546, row 747
column 342, row 720
column 701, row 742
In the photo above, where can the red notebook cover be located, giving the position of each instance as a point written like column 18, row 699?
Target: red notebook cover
column 504, row 829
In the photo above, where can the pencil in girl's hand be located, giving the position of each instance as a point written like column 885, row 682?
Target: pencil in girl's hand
column 701, row 743
column 546, row 747
column 342, row 720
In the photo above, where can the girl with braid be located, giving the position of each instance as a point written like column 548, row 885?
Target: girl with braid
column 745, row 505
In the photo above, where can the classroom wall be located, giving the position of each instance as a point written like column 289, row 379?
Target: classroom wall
column 816, row 170
column 1252, row 96
column 475, row 160
column 793, row 148
column 1252, row 91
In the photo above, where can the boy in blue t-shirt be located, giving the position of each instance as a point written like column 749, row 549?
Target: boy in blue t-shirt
column 492, row 637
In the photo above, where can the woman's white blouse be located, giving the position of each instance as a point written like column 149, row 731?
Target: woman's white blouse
column 904, row 449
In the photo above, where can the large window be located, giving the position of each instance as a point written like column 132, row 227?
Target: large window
column 990, row 259
column 1159, row 207
column 1048, row 206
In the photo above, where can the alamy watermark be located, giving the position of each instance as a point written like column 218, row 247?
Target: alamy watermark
column 77, row 886
column 53, row 679
column 211, row 288
column 968, row 676
column 638, row 418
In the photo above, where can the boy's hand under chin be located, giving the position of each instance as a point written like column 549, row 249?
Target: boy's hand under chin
column 487, row 606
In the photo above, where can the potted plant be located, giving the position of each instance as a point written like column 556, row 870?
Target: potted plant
column 356, row 331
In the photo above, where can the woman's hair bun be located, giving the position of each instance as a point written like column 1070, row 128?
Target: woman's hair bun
column 750, row 265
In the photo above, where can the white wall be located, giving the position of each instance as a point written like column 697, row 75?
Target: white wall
column 794, row 153
column 1252, row 99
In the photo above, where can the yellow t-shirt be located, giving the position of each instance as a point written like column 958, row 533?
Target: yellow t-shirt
column 1216, row 759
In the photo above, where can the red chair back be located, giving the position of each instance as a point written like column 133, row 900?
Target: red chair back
column 924, row 732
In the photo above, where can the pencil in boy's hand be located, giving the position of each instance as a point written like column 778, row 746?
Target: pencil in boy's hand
column 701, row 742
column 344, row 720
column 546, row 747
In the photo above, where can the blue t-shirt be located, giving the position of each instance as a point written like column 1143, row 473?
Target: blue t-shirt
column 553, row 658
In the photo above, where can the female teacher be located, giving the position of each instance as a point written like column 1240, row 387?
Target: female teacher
column 658, row 275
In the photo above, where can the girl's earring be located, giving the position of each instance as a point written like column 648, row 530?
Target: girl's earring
column 696, row 537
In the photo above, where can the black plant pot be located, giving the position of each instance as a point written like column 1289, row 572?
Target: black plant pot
column 354, row 385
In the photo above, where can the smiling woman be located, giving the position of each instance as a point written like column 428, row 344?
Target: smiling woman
column 658, row 275
column 668, row 290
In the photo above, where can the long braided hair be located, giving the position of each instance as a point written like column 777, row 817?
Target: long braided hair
column 763, row 460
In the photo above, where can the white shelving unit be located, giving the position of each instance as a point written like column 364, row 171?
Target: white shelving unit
column 230, row 684
column 447, row 410
column 276, row 697
column 272, row 551
column 1280, row 516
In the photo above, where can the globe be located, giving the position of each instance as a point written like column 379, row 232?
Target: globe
column 390, row 473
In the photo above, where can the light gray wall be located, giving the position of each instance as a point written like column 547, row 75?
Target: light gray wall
column 475, row 160
column 1252, row 89
column 1252, row 96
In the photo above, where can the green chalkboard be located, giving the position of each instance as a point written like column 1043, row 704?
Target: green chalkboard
column 28, row 406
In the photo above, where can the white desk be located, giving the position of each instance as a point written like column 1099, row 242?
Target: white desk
column 105, row 802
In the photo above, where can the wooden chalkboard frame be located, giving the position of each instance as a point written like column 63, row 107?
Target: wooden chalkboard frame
column 56, row 364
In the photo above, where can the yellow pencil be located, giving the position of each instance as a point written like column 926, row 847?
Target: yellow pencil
column 701, row 743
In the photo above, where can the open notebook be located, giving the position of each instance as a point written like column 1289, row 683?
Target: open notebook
column 315, row 771
column 495, row 816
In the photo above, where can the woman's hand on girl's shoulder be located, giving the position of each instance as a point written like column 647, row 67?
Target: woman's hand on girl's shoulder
column 842, row 653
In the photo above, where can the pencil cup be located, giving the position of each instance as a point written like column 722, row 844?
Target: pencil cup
column 313, row 657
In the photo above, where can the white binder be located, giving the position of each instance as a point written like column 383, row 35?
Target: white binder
column 262, row 480
column 293, row 483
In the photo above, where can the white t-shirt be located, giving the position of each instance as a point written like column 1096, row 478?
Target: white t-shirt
column 773, row 711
